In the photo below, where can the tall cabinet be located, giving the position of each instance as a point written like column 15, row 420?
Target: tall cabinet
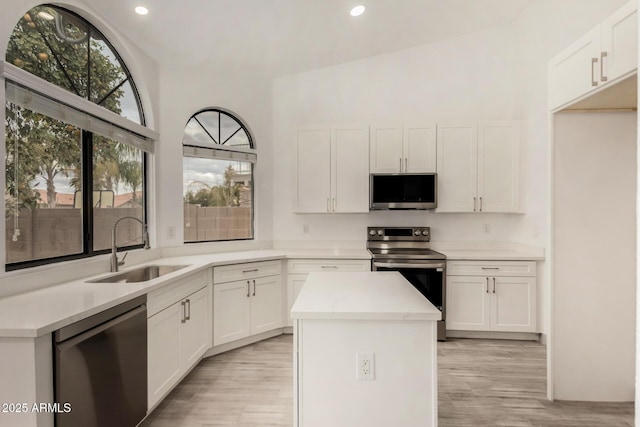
column 478, row 166
column 332, row 169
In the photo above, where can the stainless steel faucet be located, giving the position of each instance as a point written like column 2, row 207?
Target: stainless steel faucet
column 115, row 262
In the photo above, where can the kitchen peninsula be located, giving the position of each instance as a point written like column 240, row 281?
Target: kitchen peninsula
column 364, row 352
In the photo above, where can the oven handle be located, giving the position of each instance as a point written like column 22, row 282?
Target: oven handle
column 425, row 266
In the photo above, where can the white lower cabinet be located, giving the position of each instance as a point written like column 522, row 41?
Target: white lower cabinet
column 246, row 307
column 177, row 337
column 299, row 269
column 495, row 301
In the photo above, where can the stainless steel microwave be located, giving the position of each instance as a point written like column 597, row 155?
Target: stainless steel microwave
column 403, row 191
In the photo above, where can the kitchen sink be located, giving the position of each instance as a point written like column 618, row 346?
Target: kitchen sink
column 141, row 274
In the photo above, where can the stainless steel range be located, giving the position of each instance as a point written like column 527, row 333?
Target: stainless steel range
column 407, row 250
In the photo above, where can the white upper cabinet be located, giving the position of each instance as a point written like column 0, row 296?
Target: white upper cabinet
column 604, row 55
column 332, row 174
column 620, row 43
column 408, row 148
column 498, row 166
column 313, row 174
column 457, row 167
column 478, row 167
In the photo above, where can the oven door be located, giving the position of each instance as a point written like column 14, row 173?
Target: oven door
column 428, row 277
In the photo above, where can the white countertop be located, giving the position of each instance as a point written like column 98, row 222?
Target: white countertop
column 42, row 311
column 362, row 295
column 488, row 255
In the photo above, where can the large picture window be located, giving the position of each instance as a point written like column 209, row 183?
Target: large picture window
column 218, row 178
column 55, row 152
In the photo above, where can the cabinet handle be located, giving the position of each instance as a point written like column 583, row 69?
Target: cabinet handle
column 334, row 204
column 328, row 266
column 594, row 82
column 248, row 285
column 184, row 312
column 406, row 168
column 328, row 205
column 480, row 210
column 253, row 270
column 602, row 76
column 188, row 309
column 254, row 287
column 491, row 268
column 400, row 160
column 494, row 285
column 487, row 285
column 474, row 204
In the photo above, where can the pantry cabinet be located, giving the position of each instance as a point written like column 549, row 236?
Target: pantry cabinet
column 177, row 332
column 247, row 300
column 604, row 55
column 332, row 169
column 478, row 166
column 491, row 296
column 403, row 148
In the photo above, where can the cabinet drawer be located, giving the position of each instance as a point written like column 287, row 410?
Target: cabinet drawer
column 491, row 268
column 303, row 266
column 249, row 270
column 173, row 292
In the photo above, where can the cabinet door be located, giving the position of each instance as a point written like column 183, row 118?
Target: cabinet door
column 386, row 148
column 457, row 167
column 468, row 303
column 194, row 336
column 514, row 304
column 294, row 285
column 498, row 166
column 350, row 166
column 266, row 304
column 619, row 43
column 231, row 311
column 576, row 70
column 419, row 148
column 313, row 173
column 163, row 352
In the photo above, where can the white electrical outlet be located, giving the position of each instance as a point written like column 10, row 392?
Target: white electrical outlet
column 305, row 228
column 365, row 366
column 171, row 232
column 486, row 228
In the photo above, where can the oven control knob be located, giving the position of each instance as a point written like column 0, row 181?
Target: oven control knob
column 425, row 233
column 380, row 232
column 372, row 232
column 416, row 232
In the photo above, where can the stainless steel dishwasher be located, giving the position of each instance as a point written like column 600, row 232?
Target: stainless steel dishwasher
column 101, row 368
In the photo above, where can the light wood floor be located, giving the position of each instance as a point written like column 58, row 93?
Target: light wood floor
column 480, row 383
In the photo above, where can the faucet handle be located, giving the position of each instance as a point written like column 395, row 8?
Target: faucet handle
column 121, row 261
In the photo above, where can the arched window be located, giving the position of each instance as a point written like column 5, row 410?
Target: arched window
column 217, row 177
column 74, row 121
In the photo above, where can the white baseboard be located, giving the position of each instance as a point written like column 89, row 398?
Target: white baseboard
column 522, row 336
column 242, row 342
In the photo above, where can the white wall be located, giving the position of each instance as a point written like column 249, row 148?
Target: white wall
column 466, row 78
column 594, row 257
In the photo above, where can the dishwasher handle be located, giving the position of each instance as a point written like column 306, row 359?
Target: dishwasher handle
column 71, row 342
column 426, row 266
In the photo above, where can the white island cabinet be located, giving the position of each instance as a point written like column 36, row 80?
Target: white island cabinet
column 364, row 352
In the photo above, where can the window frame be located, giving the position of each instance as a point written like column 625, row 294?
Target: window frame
column 248, row 153
column 63, row 97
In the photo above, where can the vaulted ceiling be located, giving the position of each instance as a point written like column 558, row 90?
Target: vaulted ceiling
column 279, row 37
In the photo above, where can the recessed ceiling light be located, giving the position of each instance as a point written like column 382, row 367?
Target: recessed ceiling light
column 141, row 10
column 357, row 11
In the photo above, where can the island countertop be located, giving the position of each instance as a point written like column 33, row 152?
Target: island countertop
column 377, row 295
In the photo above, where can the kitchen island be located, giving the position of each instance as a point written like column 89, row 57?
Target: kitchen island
column 364, row 352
